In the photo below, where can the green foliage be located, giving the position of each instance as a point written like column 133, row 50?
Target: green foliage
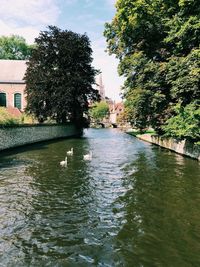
column 185, row 123
column 157, row 44
column 183, row 76
column 135, row 101
column 183, row 35
column 135, row 133
column 99, row 111
column 14, row 47
column 27, row 119
column 59, row 77
column 135, row 27
column 6, row 118
column 197, row 144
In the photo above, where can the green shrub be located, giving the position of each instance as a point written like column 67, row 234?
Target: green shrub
column 99, row 111
column 27, row 119
column 185, row 123
column 8, row 119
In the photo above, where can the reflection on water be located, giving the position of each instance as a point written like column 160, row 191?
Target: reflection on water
column 132, row 205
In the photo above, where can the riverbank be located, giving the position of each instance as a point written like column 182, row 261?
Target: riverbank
column 182, row 147
column 20, row 135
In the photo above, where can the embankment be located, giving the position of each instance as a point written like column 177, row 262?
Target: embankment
column 14, row 136
column 183, row 147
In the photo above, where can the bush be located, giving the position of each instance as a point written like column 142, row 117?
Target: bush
column 6, row 118
column 185, row 123
column 27, row 119
column 99, row 111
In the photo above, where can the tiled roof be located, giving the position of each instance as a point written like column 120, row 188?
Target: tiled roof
column 12, row 70
column 119, row 105
column 116, row 107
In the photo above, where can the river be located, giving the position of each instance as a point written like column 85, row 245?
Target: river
column 133, row 204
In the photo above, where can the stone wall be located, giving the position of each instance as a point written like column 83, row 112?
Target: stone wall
column 182, row 147
column 14, row 136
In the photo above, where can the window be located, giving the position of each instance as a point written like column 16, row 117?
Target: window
column 18, row 100
column 2, row 100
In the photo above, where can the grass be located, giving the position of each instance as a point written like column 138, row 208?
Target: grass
column 137, row 132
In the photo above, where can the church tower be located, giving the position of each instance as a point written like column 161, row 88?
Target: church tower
column 100, row 87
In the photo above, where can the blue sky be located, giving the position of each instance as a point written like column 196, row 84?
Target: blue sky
column 28, row 17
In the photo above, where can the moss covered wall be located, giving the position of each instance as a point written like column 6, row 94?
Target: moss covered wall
column 13, row 136
column 182, row 147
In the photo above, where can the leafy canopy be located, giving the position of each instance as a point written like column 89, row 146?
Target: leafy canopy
column 99, row 110
column 185, row 123
column 157, row 43
column 14, row 47
column 59, row 76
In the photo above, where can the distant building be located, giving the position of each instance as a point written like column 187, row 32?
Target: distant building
column 115, row 109
column 100, row 87
column 109, row 101
column 12, row 85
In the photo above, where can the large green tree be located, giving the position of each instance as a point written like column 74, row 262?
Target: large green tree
column 185, row 123
column 157, row 44
column 14, row 47
column 59, row 76
column 135, row 36
column 99, row 110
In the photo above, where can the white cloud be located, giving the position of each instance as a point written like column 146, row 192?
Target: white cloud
column 29, row 33
column 27, row 18
column 33, row 12
column 70, row 2
column 108, row 65
column 111, row 2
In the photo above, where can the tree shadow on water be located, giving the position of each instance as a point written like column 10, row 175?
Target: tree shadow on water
column 162, row 219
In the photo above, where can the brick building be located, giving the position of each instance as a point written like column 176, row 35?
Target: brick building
column 12, row 85
column 115, row 109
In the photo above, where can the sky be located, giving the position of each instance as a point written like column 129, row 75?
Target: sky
column 28, row 17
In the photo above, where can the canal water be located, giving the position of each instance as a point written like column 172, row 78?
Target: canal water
column 133, row 204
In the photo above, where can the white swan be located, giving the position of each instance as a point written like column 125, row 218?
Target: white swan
column 88, row 156
column 70, row 152
column 64, row 163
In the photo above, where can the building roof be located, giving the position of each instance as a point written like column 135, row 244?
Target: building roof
column 116, row 107
column 119, row 106
column 12, row 71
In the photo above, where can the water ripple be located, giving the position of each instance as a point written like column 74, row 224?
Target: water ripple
column 132, row 205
